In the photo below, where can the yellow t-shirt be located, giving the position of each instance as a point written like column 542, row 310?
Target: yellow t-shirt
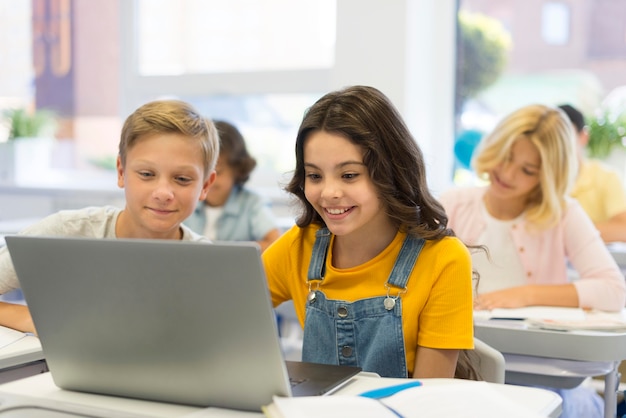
column 436, row 309
column 599, row 191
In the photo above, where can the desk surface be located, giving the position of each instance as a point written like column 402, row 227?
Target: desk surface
column 40, row 390
column 530, row 353
column 513, row 337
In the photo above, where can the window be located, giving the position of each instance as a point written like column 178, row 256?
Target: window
column 16, row 71
column 212, row 36
column 555, row 23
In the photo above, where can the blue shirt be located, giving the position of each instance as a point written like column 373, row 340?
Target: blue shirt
column 246, row 217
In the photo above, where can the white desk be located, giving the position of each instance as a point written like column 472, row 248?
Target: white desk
column 598, row 352
column 21, row 359
column 40, row 391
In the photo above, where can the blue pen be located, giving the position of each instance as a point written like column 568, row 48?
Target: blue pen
column 390, row 390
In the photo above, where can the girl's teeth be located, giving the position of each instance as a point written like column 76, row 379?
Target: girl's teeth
column 336, row 211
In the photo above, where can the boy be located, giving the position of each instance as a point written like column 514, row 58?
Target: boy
column 166, row 163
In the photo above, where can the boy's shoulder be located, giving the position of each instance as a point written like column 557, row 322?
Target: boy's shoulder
column 596, row 173
column 89, row 212
column 190, row 235
column 92, row 221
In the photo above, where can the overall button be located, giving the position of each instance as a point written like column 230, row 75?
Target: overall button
column 346, row 351
column 342, row 311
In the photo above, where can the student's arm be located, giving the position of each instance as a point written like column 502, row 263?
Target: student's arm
column 12, row 315
column 611, row 195
column 444, row 323
column 269, row 238
column 600, row 283
column 436, row 363
column 613, row 230
column 16, row 316
column 529, row 295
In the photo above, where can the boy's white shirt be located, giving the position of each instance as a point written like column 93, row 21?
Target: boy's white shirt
column 89, row 222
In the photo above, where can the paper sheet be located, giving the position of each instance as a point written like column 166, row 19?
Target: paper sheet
column 460, row 400
column 534, row 312
column 9, row 336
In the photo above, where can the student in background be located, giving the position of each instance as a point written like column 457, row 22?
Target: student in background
column 166, row 163
column 232, row 212
column 531, row 228
column 377, row 278
column 598, row 188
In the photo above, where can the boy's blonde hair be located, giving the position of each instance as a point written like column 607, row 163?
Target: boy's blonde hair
column 551, row 132
column 171, row 116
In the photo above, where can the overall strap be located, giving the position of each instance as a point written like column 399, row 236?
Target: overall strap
column 317, row 266
column 401, row 271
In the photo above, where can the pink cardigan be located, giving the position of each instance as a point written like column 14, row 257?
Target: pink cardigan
column 544, row 254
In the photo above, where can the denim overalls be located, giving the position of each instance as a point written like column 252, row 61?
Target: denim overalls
column 367, row 332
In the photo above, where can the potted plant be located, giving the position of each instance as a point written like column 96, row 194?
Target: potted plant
column 607, row 133
column 25, row 124
column 26, row 153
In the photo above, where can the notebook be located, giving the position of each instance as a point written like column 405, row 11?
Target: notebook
column 173, row 321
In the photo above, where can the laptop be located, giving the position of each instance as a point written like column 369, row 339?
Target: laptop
column 172, row 321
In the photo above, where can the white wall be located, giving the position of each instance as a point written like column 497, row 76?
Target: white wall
column 405, row 48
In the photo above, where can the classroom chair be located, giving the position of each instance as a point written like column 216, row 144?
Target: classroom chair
column 491, row 362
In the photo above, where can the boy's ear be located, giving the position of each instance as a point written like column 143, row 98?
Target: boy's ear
column 207, row 185
column 583, row 137
column 120, row 172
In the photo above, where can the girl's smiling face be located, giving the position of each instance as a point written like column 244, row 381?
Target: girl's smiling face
column 518, row 175
column 338, row 185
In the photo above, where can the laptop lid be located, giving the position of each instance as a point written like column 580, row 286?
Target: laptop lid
column 173, row 321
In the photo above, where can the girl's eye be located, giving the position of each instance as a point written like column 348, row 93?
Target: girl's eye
column 350, row 176
column 529, row 172
column 145, row 174
column 313, row 176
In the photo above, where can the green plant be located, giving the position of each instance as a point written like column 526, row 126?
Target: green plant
column 607, row 131
column 482, row 53
column 25, row 124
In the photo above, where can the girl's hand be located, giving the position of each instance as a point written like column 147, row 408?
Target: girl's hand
column 514, row 297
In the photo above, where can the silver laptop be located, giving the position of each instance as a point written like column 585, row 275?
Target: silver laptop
column 171, row 321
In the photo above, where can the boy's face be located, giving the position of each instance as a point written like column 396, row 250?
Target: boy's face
column 224, row 183
column 163, row 181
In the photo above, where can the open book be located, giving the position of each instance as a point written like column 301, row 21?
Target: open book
column 453, row 399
